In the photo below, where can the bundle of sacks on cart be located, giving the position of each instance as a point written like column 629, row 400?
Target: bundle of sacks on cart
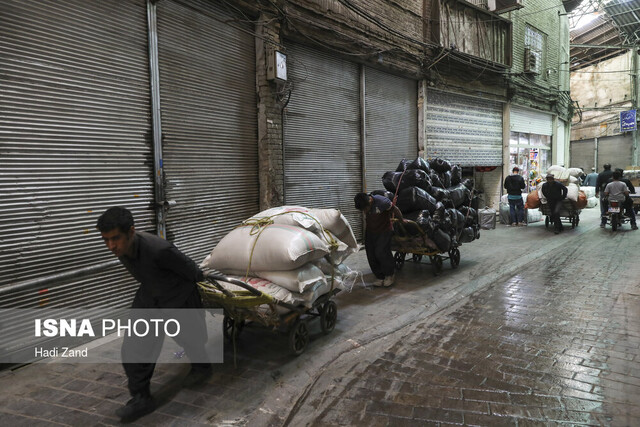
column 291, row 253
column 435, row 200
column 568, row 177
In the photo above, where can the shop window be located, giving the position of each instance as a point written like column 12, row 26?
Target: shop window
column 532, row 154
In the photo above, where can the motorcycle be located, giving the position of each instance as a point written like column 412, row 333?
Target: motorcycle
column 615, row 212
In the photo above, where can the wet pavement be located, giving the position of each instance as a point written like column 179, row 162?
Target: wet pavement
column 530, row 329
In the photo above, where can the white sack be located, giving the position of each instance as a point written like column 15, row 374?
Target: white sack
column 556, row 170
column 340, row 251
column 335, row 222
column 298, row 280
column 533, row 215
column 592, row 202
column 275, row 248
column 589, row 191
column 572, row 192
column 289, row 215
column 575, row 172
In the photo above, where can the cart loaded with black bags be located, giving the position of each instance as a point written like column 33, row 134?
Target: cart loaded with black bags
column 439, row 206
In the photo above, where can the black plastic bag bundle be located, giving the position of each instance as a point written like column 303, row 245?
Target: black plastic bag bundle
column 467, row 235
column 415, row 199
column 440, row 165
column 403, row 165
column 388, row 194
column 412, row 216
column 448, row 204
column 439, row 193
column 468, row 183
column 419, row 163
column 423, row 219
column 470, row 215
column 459, row 195
column 456, row 218
column 442, row 240
column 390, row 181
column 435, row 180
column 415, row 178
column 446, row 179
column 456, row 174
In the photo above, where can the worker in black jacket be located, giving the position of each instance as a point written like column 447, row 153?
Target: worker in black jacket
column 514, row 184
column 168, row 280
column 603, row 179
column 555, row 192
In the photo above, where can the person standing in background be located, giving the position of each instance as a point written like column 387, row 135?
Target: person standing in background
column 591, row 179
column 603, row 179
column 514, row 184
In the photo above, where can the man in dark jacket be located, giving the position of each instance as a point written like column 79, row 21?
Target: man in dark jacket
column 168, row 280
column 514, row 184
column 379, row 212
column 555, row 193
column 603, row 179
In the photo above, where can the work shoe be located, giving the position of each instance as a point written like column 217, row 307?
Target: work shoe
column 388, row 281
column 634, row 227
column 601, row 225
column 198, row 375
column 137, row 407
column 378, row 283
column 513, row 224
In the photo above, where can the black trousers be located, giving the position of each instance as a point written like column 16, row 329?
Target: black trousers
column 148, row 347
column 554, row 208
column 379, row 256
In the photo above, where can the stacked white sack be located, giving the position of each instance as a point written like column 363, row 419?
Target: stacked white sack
column 283, row 249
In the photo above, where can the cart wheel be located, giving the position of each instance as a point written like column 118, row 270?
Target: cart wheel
column 298, row 337
column 328, row 316
column 436, row 264
column 230, row 327
column 399, row 258
column 416, row 258
column 546, row 221
column 454, row 257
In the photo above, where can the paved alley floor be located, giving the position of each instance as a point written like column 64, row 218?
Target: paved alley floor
column 532, row 328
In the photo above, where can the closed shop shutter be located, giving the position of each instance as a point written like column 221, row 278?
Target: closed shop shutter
column 208, row 113
column 583, row 154
column 391, row 124
column 530, row 121
column 74, row 140
column 463, row 129
column 322, row 136
column 615, row 150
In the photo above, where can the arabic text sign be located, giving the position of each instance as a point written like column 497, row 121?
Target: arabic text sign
column 627, row 120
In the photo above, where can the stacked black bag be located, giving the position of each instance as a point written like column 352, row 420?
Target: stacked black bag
column 434, row 196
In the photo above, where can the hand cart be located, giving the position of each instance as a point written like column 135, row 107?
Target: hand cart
column 568, row 212
column 415, row 246
column 251, row 305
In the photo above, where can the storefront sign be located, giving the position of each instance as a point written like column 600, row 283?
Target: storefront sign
column 628, row 121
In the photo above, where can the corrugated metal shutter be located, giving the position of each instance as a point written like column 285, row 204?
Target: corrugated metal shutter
column 74, row 140
column 209, row 123
column 530, row 121
column 391, row 113
column 322, row 134
column 463, row 129
column 583, row 154
column 615, row 150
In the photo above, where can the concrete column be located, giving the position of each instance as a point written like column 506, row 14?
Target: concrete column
column 506, row 138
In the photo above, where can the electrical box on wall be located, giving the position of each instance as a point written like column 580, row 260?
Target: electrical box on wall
column 276, row 65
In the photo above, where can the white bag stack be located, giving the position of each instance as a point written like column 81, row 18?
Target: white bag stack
column 292, row 253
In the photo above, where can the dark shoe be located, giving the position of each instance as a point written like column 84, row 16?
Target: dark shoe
column 556, row 232
column 602, row 225
column 198, row 375
column 137, row 407
column 634, row 227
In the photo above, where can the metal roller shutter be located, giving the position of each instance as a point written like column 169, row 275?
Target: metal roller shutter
column 208, row 109
column 322, row 134
column 615, row 150
column 463, row 129
column 74, row 140
column 530, row 121
column 391, row 124
column 583, row 154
